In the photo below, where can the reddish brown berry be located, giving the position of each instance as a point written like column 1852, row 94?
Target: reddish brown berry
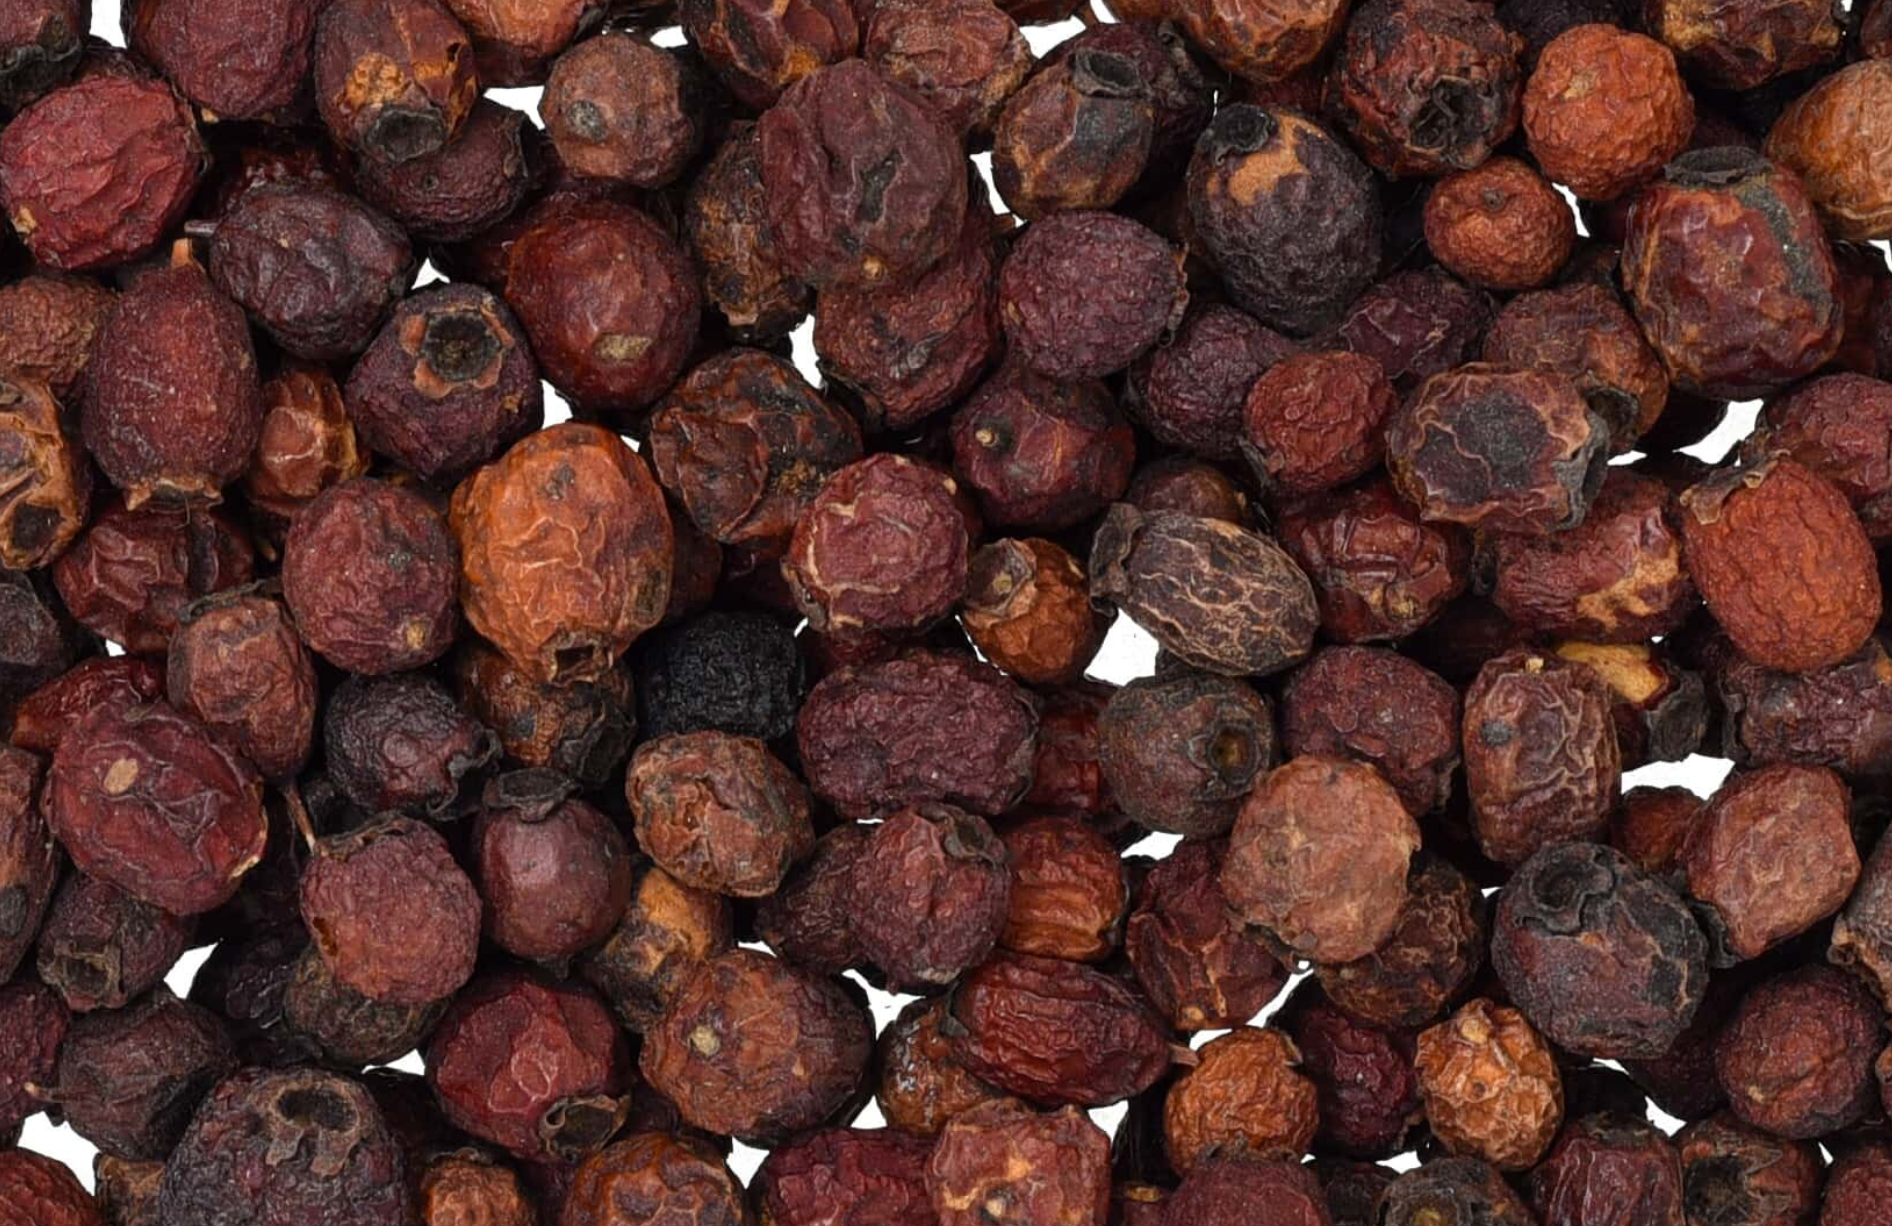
column 554, row 873
column 1491, row 1086
column 725, row 221
column 1243, row 1094
column 933, row 886
column 1500, row 225
column 666, row 931
column 1742, row 46
column 1198, row 963
column 237, row 665
column 1796, row 1057
column 48, row 325
column 759, row 50
column 1039, row 453
column 1181, row 750
column 512, row 44
column 401, row 743
column 1076, row 135
column 1027, row 608
column 469, row 186
column 394, row 79
column 1316, row 420
column 49, row 482
column 651, row 1176
column 1262, row 43
column 1378, row 572
column 307, row 443
column 848, row 1177
column 100, row 948
column 965, row 57
column 1002, row 1162
column 1192, row 392
column 1084, row 294
column 620, row 108
column 1585, row 332
column 718, row 812
column 1832, row 426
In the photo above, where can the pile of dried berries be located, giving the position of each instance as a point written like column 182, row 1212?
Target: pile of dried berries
column 606, row 765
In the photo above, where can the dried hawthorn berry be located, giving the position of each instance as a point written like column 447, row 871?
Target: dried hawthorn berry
column 47, row 327
column 1179, row 751
column 866, row 183
column 731, row 671
column 130, row 576
column 1235, row 1189
column 1829, row 137
column 725, row 221
column 512, row 45
column 96, row 173
column 1076, row 135
column 1585, row 332
column 1834, row 426
column 1259, row 42
column 1436, row 950
column 1363, row 1075
column 1770, row 857
column 1377, row 707
column 401, row 743
column 1660, row 710
column 1417, row 323
column 1541, row 759
column 466, row 1185
column 172, row 408
column 1491, row 1086
column 101, row 948
column 745, row 445
column 233, row 59
column 1213, row 594
column 1783, row 564
column 1500, row 225
column 1055, row 1032
column 1583, row 913
column 565, row 548
column 536, row 1068
column 718, row 812
column 40, row 45
column 1027, row 608
column 295, row 1145
column 1041, row 453
column 129, row 1079
column 1796, row 1056
column 921, row 1085
column 36, row 1021
column 153, row 802
column 620, row 108
column 447, row 385
column 1001, row 1163
column 1427, row 86
column 1605, row 110
column 1316, row 420
column 922, row 727
column 467, row 187
column 1181, row 92
column 1733, row 1175
column 1067, row 776
column 43, row 466
column 847, row 1177
column 965, row 57
column 654, row 1177
column 307, row 443
column 1609, row 1167
column 1191, row 393
column 554, row 873
column 1862, row 933
column 1377, row 570
column 1857, row 1186
column 394, row 79
column 933, row 886
column 1497, row 449
column 1244, row 1093
column 608, row 299
column 1453, row 1192
column 1084, row 294
column 127, row 1192
column 666, row 930
column 42, row 1191
column 1069, row 894
column 392, row 914
column 42, row 716
column 1198, row 964
column 754, row 1048
column 29, row 860
column 581, row 729
column 345, row 1027
column 1651, row 823
column 236, row 664
column 1191, row 486
column 759, row 50
column 1705, row 326
column 809, row 921
column 1740, row 46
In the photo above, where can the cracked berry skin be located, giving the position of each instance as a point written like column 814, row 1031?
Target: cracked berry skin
column 131, row 574
column 1237, row 1189
column 1833, row 136
column 29, row 859
column 1246, row 1093
column 666, row 930
column 623, row 110
column 1745, row 1177
column 760, row 50
column 1491, row 1086
column 271, row 1148
column 1418, row 323
column 47, row 326
column 1378, row 707
column 718, row 812
column 237, row 664
column 652, row 1177
column 1083, row 294
column 1585, row 332
column 848, row 1177
column 1367, row 1091
column 1314, row 421
column 966, row 58
column 1500, row 225
column 1042, row 454
column 1200, row 966
column 1742, row 46
column 464, row 189
column 394, row 79
column 1431, row 960
column 238, row 61
column 1832, row 425
column 49, row 480
column 36, row 1021
column 725, row 225
column 934, row 885
column 1582, row 912
column 42, row 44
column 1379, row 572
column 1612, row 1168
column 1075, row 135
column 1260, row 42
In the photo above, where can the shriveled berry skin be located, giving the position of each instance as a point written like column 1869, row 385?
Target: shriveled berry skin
column 1057, row 1032
column 921, row 727
column 1084, row 294
column 47, row 326
column 1857, row 1187
column 1862, row 933
column 1184, row 483
column 1313, row 421
column 1234, row 1189
column 1378, row 571
column 97, row 172
column 344, row 1027
column 1453, row 1192
column 1772, row 856
column 933, row 886
column 1191, row 393
column 554, row 873
column 1289, row 215
column 1197, row 963
column 608, row 299
column 583, row 729
column 395, row 917
column 718, row 812
column 1740, row 46
column 1609, row 1168
column 1076, row 135
column 1067, row 775
column 1367, row 1090
column 563, row 611
column 1215, row 595
column 1499, row 449
column 152, row 802
column 1028, row 610
column 130, row 576
column 394, row 79
column 307, row 443
column 810, row 920
column 44, row 1192
column 278, row 1148
column 1427, row 86
column 1491, row 1086
column 1069, row 892
column 1582, row 912
column 1418, row 324
column 1377, row 707
column 1835, row 426
column 467, row 1185
column 172, row 406
column 1660, row 709
column 101, row 948
column 1832, row 136
column 42, row 43
column 42, row 716
column 1541, row 760
column 237, row 665
column 400, row 743
column 236, row 61
column 753, row 1048
column 1500, row 224
column 866, row 182
column 472, row 184
column 1436, row 949
column 1042, row 453
column 1180, row 750
column 848, row 1177
column 732, row 671
column 1001, row 1163
column 965, row 57
column 1741, row 1175
column 1651, row 824
column 36, row 1020
column 44, row 467
column 620, row 109
column 128, row 1080
column 1706, row 324
column 1796, row 1056
column 513, row 44
column 1243, row 1094
column 725, row 222
column 745, row 445
column 1783, row 564
column 651, row 1177
column 1585, row 332
column 1605, row 110
column 666, row 930
column 534, row 1067
column 921, row 1085
column 447, row 384
column 759, row 50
